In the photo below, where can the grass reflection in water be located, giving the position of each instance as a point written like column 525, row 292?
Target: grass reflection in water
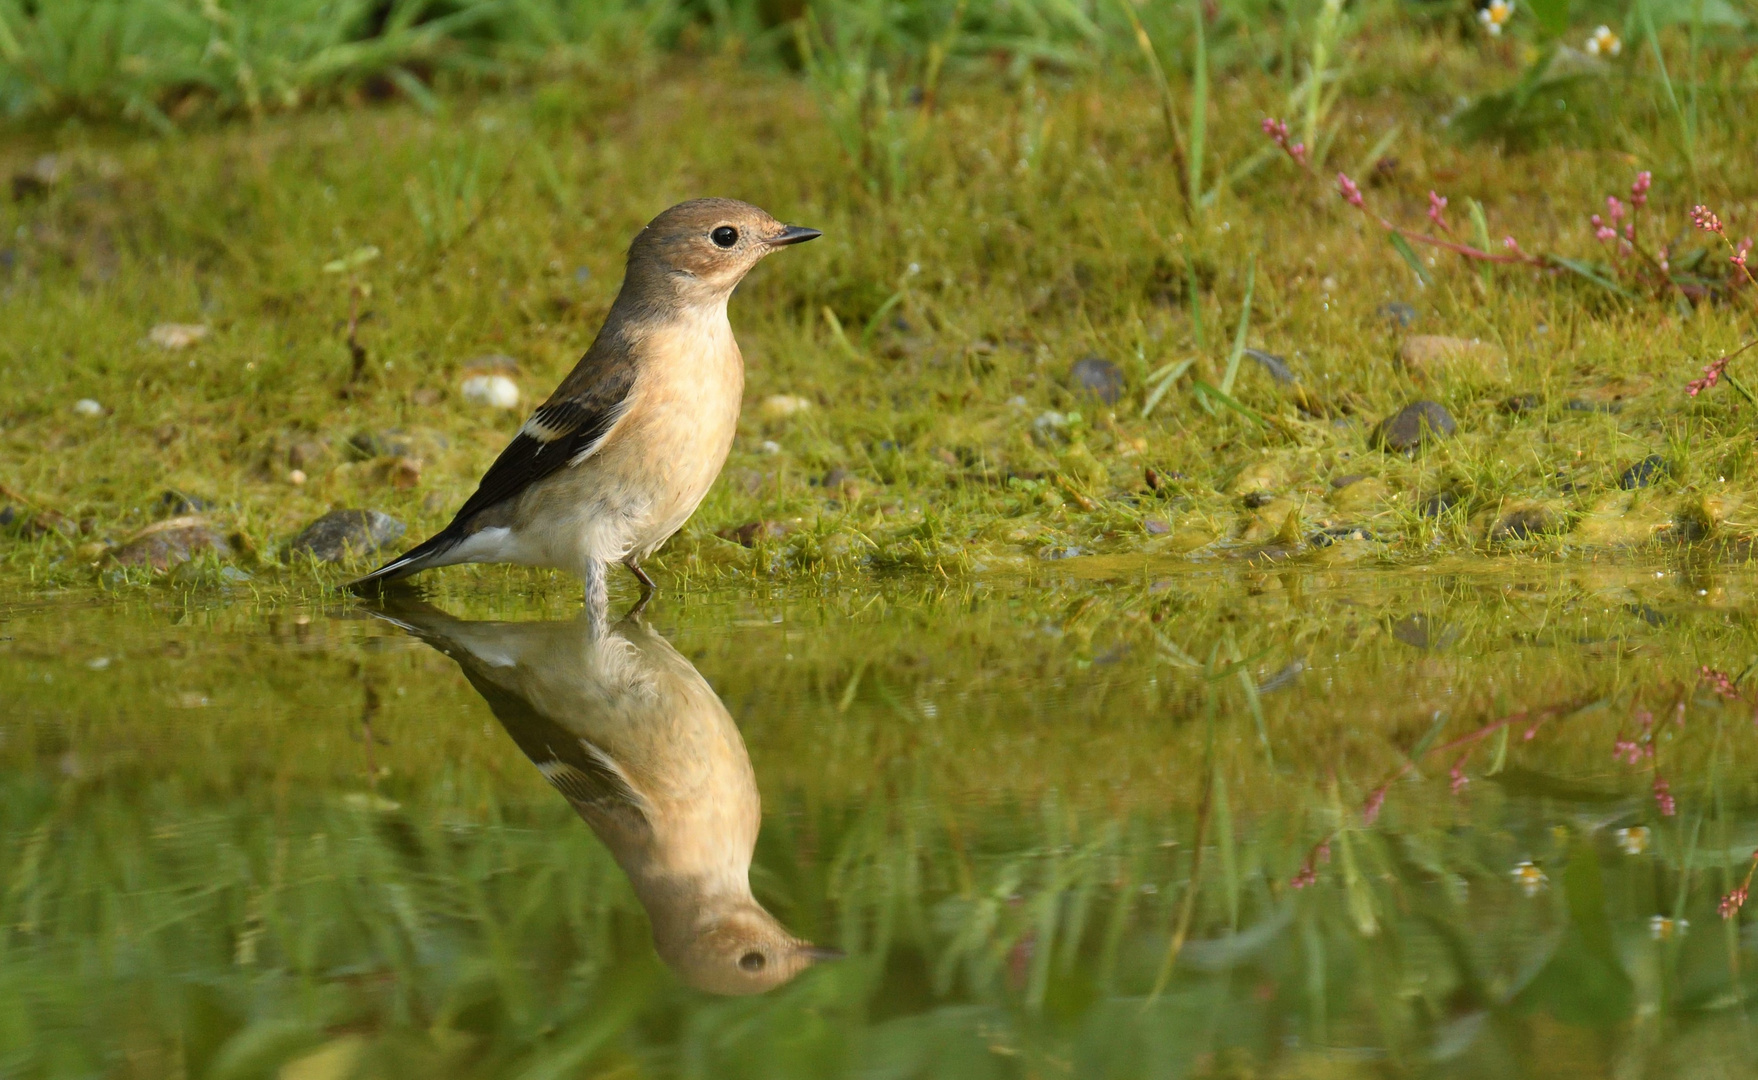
column 1202, row 824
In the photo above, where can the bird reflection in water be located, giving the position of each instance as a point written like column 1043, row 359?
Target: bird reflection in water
column 636, row 740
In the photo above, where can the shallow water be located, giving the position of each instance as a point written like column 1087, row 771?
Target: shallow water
column 1104, row 821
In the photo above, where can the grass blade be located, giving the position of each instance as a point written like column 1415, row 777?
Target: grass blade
column 1199, row 109
column 1408, row 254
column 1233, row 357
column 1583, row 270
column 1163, row 381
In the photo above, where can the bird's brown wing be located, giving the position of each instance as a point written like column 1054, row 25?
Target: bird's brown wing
column 565, row 429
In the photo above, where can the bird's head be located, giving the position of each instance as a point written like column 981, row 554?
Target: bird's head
column 742, row 951
column 705, row 246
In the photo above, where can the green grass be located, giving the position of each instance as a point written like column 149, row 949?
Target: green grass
column 1028, row 222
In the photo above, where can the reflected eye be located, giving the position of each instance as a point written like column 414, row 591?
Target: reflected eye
column 726, row 236
column 751, row 961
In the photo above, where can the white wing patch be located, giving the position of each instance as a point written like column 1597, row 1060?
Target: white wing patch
column 616, row 417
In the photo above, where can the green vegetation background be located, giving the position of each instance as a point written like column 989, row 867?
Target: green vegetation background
column 1006, row 189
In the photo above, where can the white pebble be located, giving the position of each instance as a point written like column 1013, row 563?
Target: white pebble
column 296, row 477
column 782, row 406
column 769, row 446
column 177, row 335
column 496, row 391
column 85, row 406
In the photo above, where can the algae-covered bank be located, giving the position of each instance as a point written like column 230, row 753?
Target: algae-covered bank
column 1234, row 561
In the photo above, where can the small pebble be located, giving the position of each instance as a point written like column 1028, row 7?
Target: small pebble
column 495, row 391
column 1648, row 471
column 1156, row 527
column 176, row 335
column 1410, row 426
column 85, row 406
column 170, row 542
column 1277, row 367
column 1397, row 313
column 1520, row 403
column 769, row 446
column 1099, row 377
column 1437, row 504
column 296, row 477
column 343, row 534
column 1522, row 522
column 782, row 406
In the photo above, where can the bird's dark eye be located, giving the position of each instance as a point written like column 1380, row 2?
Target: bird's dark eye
column 726, row 236
column 751, row 961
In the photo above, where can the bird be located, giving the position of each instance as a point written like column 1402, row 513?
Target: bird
column 634, row 738
column 617, row 459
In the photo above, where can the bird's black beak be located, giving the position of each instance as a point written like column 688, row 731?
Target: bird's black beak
column 793, row 234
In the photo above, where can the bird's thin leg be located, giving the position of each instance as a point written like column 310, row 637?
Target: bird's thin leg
column 597, row 604
column 647, row 586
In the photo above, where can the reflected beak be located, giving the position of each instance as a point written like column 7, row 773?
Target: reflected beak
column 793, row 234
column 820, row 953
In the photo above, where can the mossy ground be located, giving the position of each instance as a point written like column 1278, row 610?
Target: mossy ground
column 928, row 334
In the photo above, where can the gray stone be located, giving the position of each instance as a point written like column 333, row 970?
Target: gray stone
column 1397, row 313
column 1522, row 522
column 170, row 543
column 175, row 503
column 1649, row 470
column 346, row 534
column 1437, row 504
column 1408, row 427
column 1099, row 377
column 1277, row 368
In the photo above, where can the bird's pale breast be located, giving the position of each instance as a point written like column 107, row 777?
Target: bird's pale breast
column 659, row 462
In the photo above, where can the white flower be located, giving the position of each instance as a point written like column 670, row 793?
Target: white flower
column 1604, row 42
column 1495, row 14
column 1530, row 878
column 1661, row 928
column 1633, row 840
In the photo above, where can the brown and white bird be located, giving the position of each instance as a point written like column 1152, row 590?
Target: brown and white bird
column 622, row 453
column 643, row 749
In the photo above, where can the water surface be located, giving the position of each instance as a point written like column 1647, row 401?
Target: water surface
column 1105, row 821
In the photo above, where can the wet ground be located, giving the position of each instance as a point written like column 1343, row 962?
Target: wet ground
column 1110, row 820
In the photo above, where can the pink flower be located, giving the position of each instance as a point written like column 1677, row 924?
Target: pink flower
column 1605, row 233
column 1630, row 751
column 1639, row 188
column 1711, row 375
column 1718, row 681
column 1346, row 188
column 1705, row 219
column 1370, row 810
column 1437, row 204
column 1278, row 134
column 1733, row 902
column 1615, row 207
column 1308, row 872
column 1663, row 797
column 1457, row 774
column 1738, row 258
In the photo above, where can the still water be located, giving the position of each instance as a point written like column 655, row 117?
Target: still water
column 1105, row 820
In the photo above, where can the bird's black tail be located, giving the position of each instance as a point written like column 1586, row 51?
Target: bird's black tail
column 415, row 560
